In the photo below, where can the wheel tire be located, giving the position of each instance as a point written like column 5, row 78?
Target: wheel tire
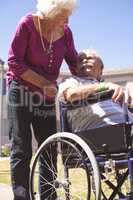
column 69, row 190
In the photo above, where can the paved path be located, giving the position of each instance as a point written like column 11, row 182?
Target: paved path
column 5, row 192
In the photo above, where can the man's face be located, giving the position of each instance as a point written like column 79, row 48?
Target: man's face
column 92, row 67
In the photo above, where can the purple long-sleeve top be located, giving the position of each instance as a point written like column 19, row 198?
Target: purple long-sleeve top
column 26, row 52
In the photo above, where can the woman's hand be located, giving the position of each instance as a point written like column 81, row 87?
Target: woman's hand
column 50, row 90
column 119, row 94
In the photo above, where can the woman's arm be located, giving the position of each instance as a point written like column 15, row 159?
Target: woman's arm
column 46, row 86
column 17, row 56
column 71, row 56
column 35, row 79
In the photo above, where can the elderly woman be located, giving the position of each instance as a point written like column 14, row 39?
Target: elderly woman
column 41, row 41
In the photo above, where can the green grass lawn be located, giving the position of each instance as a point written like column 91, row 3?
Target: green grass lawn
column 5, row 177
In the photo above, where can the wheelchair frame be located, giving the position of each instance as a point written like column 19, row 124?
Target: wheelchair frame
column 97, row 166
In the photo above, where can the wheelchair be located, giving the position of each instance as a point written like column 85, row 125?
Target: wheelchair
column 96, row 164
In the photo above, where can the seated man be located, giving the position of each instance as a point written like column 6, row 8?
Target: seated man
column 87, row 82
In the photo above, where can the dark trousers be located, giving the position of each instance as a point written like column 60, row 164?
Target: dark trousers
column 26, row 108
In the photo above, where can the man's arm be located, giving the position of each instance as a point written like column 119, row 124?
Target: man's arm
column 84, row 91
column 80, row 92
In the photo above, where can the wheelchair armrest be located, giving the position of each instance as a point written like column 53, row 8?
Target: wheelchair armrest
column 94, row 98
column 100, row 96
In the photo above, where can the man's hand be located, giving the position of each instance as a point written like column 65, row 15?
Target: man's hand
column 119, row 94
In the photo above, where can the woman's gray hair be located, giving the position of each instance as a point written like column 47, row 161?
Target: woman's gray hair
column 49, row 8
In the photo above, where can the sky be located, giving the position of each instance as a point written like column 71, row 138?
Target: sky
column 103, row 25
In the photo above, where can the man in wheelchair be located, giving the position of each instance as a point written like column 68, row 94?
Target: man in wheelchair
column 85, row 84
column 101, row 122
column 88, row 110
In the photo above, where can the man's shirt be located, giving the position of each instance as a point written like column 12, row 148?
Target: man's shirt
column 95, row 115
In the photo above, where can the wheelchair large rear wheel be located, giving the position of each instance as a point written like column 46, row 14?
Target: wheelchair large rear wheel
column 75, row 175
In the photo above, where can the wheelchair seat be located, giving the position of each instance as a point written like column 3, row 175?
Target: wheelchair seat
column 114, row 136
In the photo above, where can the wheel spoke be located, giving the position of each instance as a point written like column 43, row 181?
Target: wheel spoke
column 69, row 179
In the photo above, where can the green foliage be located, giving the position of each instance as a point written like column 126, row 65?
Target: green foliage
column 6, row 150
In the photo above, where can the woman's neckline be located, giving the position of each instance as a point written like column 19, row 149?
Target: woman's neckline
column 37, row 30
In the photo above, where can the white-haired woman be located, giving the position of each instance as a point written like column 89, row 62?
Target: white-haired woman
column 41, row 41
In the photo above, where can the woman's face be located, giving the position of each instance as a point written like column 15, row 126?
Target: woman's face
column 61, row 18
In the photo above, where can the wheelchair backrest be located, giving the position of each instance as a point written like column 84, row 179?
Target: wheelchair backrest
column 114, row 136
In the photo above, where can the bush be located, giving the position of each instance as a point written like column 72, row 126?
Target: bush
column 6, row 149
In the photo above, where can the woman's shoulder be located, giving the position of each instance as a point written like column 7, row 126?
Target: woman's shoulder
column 27, row 18
column 68, row 34
column 26, row 21
column 67, row 30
